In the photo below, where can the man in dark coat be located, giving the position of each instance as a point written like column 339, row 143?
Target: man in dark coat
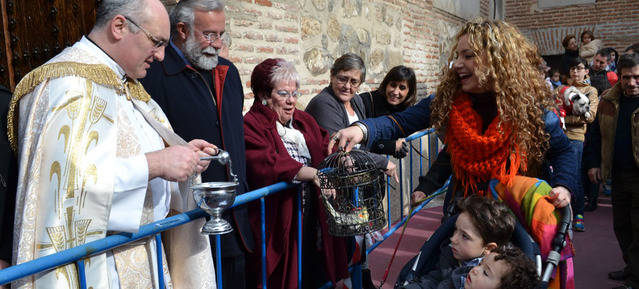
column 8, row 178
column 202, row 97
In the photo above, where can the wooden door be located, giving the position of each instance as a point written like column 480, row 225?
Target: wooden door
column 34, row 31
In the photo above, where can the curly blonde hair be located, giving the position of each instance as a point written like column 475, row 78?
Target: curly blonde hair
column 508, row 63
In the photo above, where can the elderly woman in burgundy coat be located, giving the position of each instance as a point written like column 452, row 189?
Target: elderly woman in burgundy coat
column 286, row 144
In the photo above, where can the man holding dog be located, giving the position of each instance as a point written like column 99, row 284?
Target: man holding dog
column 576, row 129
column 614, row 153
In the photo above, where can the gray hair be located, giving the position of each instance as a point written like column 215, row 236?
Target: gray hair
column 109, row 8
column 285, row 71
column 349, row 61
column 183, row 11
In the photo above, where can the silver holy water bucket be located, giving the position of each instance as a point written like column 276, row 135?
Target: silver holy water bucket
column 214, row 197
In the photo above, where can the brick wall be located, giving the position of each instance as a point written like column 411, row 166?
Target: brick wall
column 615, row 22
column 313, row 33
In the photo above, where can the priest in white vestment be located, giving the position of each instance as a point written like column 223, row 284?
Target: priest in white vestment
column 94, row 159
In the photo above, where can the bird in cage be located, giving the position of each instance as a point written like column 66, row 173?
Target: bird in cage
column 352, row 191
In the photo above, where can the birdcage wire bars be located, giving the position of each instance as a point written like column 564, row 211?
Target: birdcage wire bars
column 352, row 192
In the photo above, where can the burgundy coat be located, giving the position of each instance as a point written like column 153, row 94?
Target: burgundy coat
column 268, row 162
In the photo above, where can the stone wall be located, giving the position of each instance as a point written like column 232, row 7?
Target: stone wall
column 313, row 33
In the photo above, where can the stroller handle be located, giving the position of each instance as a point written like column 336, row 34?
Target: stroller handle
column 558, row 243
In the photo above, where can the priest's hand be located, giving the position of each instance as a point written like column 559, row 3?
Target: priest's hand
column 204, row 149
column 175, row 163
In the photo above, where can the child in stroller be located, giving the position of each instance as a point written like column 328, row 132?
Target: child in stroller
column 506, row 267
column 482, row 226
column 539, row 223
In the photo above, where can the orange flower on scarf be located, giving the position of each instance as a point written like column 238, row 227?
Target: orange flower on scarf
column 477, row 157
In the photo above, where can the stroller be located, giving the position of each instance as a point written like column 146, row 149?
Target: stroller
column 549, row 228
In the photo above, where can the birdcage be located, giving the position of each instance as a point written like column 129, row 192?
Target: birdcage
column 352, row 192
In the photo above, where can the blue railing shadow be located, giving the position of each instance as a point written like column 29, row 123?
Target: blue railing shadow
column 79, row 253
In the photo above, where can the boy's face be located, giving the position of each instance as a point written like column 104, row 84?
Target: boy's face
column 578, row 73
column 487, row 275
column 555, row 76
column 466, row 242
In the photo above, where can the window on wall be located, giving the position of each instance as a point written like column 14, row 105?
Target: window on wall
column 554, row 3
column 466, row 9
column 496, row 9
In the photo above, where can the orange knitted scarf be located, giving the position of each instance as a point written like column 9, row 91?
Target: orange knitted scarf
column 478, row 157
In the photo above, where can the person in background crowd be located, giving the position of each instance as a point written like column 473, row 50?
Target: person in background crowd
column 483, row 120
column 571, row 51
column 589, row 46
column 614, row 56
column 600, row 78
column 554, row 78
column 338, row 105
column 634, row 48
column 576, row 130
column 614, row 153
column 286, row 144
column 201, row 94
column 397, row 91
column 93, row 159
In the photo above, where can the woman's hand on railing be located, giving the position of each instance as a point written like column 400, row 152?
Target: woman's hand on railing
column 417, row 197
column 391, row 171
column 346, row 138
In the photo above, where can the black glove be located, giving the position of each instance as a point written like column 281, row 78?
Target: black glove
column 401, row 151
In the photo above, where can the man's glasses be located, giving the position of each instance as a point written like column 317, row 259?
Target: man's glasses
column 285, row 94
column 157, row 43
column 212, row 36
column 342, row 80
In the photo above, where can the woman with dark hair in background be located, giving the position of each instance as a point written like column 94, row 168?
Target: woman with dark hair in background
column 397, row 92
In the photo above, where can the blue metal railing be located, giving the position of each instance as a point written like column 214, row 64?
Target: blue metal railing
column 79, row 253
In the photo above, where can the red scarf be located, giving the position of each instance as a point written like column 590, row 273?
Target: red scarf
column 478, row 157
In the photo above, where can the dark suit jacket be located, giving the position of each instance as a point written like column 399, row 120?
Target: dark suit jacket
column 8, row 179
column 196, row 112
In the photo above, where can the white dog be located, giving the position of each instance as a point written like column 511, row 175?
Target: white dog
column 573, row 102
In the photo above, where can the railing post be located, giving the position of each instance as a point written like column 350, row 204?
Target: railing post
column 356, row 276
column 299, row 237
column 158, row 250
column 82, row 277
column 401, row 190
column 218, row 261
column 388, row 198
column 263, row 229
column 421, row 162
column 410, row 171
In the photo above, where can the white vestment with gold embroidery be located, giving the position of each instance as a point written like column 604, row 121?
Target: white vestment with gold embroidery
column 83, row 175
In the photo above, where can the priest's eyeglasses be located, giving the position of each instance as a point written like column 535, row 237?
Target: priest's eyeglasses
column 157, row 43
